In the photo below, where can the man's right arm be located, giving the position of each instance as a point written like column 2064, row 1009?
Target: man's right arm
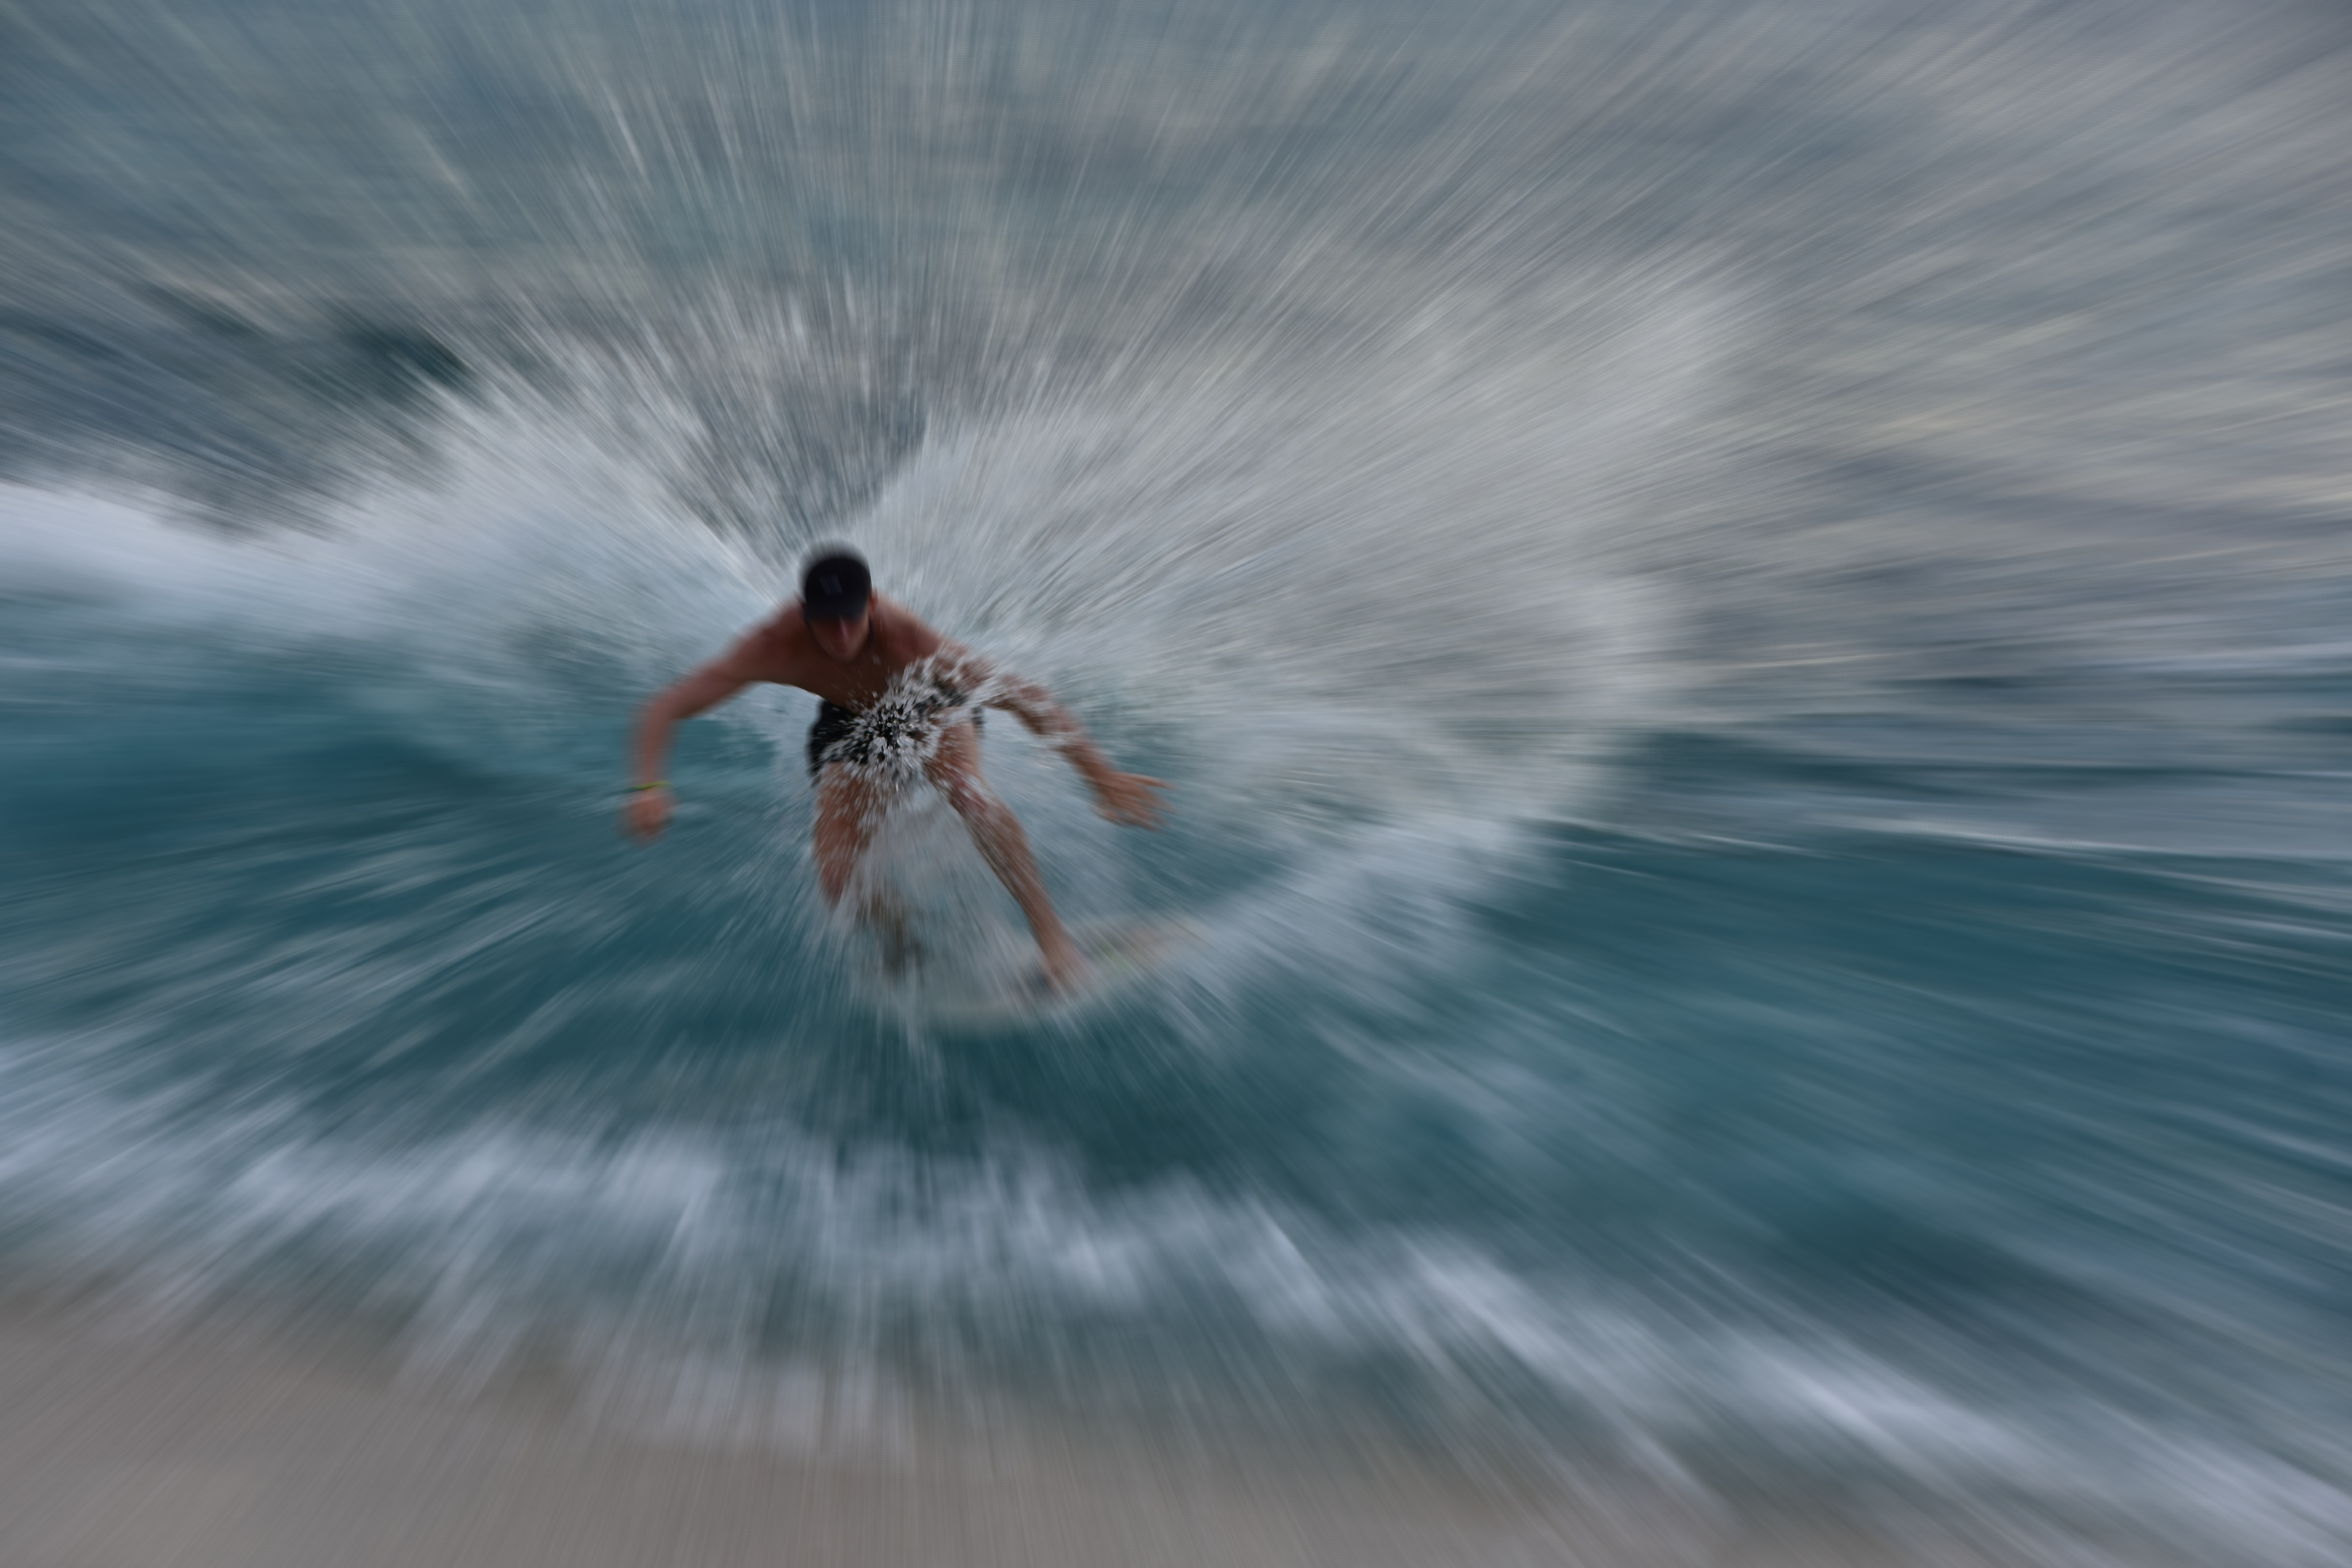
column 722, row 677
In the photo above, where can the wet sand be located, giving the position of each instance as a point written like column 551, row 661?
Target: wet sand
column 200, row 1451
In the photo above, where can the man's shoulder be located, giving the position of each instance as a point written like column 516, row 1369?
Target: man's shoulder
column 906, row 634
column 776, row 642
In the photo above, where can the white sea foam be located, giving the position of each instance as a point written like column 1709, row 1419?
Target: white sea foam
column 1812, row 361
column 655, row 1271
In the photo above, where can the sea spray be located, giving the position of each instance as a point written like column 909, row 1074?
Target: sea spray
column 1744, row 604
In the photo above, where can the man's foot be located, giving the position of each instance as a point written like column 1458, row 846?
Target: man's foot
column 900, row 952
column 887, row 922
column 1061, row 968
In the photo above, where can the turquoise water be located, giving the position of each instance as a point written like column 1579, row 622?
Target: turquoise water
column 1746, row 607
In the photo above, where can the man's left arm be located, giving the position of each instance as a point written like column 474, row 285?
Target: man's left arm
column 1130, row 798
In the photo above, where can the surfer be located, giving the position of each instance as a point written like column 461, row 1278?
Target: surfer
column 898, row 701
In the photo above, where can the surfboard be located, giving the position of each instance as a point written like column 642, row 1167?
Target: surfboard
column 1121, row 956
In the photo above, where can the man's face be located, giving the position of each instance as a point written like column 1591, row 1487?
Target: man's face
column 841, row 636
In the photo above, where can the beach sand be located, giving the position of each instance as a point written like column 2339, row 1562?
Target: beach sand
column 205, row 1450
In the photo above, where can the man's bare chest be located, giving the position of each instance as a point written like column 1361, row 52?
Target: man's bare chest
column 857, row 682
column 858, row 685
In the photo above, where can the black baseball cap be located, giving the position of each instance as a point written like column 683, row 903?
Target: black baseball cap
column 834, row 586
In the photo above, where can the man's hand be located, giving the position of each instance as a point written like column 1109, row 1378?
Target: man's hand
column 1129, row 798
column 647, row 814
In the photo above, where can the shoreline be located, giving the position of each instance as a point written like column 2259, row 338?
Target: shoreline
column 205, row 1449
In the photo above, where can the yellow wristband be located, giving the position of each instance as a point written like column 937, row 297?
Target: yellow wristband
column 657, row 783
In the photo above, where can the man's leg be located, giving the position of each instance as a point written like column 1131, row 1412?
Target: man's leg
column 848, row 809
column 954, row 769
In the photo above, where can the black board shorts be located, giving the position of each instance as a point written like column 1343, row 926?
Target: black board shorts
column 833, row 723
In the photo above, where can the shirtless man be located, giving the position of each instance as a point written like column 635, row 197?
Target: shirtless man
column 859, row 653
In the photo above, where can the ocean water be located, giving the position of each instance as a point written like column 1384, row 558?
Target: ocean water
column 1748, row 607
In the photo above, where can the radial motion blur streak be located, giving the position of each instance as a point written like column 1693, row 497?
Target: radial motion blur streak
column 1749, row 607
